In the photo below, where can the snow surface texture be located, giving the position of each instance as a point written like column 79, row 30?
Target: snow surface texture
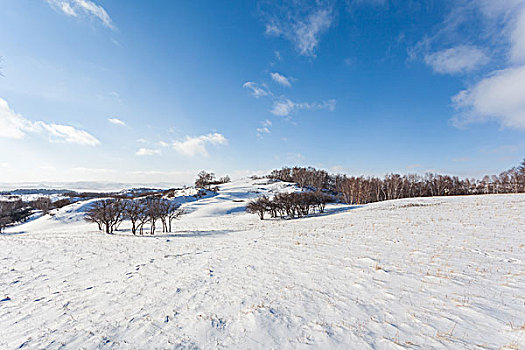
column 433, row 273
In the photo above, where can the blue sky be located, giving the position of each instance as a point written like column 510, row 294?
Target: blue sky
column 154, row 91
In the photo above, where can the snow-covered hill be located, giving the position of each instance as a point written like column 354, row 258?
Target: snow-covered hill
column 431, row 273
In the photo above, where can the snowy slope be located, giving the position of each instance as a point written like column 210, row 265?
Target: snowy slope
column 433, row 273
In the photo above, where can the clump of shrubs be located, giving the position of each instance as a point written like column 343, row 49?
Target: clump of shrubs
column 208, row 181
column 291, row 205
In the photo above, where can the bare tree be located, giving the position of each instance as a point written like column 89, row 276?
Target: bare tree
column 174, row 213
column 154, row 212
column 258, row 206
column 136, row 212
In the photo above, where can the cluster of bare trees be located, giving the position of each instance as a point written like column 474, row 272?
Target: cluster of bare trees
column 361, row 190
column 108, row 214
column 208, row 181
column 14, row 211
column 296, row 204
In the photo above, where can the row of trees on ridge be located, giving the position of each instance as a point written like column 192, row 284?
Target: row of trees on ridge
column 361, row 190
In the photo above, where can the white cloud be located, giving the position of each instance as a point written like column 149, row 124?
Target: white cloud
column 308, row 32
column 280, row 79
column 116, row 121
column 87, row 7
column 67, row 134
column 500, row 96
column 301, row 22
column 265, row 129
column 13, row 125
column 262, row 131
column 285, row 107
column 148, row 152
column 194, row 146
column 459, row 59
column 66, row 8
column 256, row 90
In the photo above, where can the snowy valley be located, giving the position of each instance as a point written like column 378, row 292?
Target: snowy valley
column 424, row 273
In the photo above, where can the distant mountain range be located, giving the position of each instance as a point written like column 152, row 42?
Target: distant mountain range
column 59, row 187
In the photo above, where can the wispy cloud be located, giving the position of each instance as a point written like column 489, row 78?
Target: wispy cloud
column 116, row 95
column 284, row 107
column 88, row 8
column 281, row 79
column 256, row 90
column 300, row 21
column 116, row 121
column 194, row 146
column 264, row 129
column 456, row 60
column 148, row 152
column 67, row 134
column 13, row 125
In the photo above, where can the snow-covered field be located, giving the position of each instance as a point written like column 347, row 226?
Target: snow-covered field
column 433, row 273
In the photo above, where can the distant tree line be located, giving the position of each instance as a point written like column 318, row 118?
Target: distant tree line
column 361, row 190
column 108, row 214
column 292, row 205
